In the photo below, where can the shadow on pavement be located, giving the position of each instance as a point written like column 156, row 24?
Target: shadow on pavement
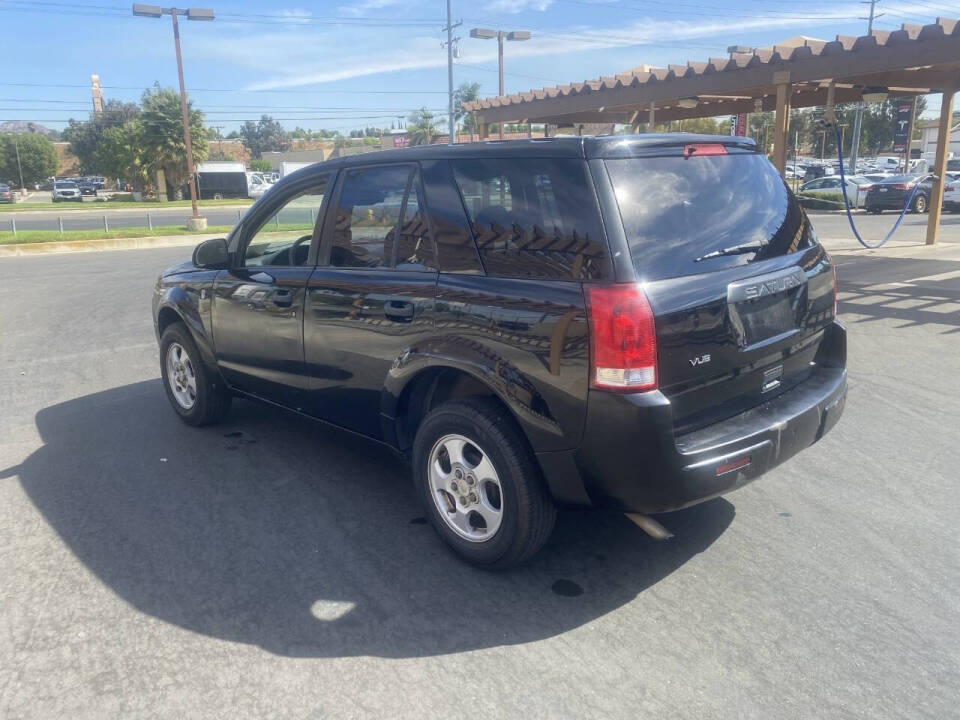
column 918, row 292
column 274, row 531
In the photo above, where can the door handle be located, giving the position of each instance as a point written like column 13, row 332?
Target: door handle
column 281, row 297
column 398, row 310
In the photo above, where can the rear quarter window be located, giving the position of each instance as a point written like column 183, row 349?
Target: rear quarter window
column 676, row 210
column 534, row 218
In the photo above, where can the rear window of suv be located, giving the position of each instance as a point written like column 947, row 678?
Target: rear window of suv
column 676, row 210
column 534, row 217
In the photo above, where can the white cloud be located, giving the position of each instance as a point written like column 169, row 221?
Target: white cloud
column 315, row 55
column 363, row 6
column 512, row 7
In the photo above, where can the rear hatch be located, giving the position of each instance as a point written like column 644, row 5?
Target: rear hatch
column 740, row 289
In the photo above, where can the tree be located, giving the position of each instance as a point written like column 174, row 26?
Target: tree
column 120, row 154
column 467, row 92
column 162, row 139
column 421, row 127
column 260, row 165
column 84, row 135
column 38, row 158
column 264, row 135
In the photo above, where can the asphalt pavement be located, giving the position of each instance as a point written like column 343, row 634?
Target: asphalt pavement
column 270, row 568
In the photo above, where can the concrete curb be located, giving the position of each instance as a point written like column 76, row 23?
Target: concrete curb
column 73, row 246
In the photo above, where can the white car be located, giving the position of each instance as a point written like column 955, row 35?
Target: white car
column 855, row 187
column 951, row 192
column 256, row 185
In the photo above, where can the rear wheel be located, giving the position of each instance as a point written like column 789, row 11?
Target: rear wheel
column 480, row 484
column 920, row 204
column 195, row 394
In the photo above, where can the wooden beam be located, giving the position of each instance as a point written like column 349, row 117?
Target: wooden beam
column 940, row 164
column 781, row 125
column 941, row 52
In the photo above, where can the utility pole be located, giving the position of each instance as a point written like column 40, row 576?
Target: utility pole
column 219, row 129
column 196, row 222
column 16, row 146
column 450, row 41
column 858, row 119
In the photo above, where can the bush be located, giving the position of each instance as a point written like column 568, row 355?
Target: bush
column 819, row 200
column 260, row 165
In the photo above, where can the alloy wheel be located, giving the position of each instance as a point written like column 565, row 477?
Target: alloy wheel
column 465, row 487
column 181, row 376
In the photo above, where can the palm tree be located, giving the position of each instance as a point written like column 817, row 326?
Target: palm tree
column 421, row 127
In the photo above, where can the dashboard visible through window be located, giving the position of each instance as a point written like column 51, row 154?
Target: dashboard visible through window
column 284, row 239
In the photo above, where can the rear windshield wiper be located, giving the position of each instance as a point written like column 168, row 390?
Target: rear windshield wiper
column 735, row 250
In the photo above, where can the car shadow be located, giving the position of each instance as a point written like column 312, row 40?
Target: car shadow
column 308, row 542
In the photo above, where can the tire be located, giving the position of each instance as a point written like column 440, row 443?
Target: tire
column 920, row 204
column 874, row 211
column 526, row 513
column 210, row 399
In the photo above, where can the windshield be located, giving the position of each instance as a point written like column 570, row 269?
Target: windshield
column 679, row 215
column 65, row 186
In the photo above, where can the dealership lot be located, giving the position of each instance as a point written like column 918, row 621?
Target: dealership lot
column 272, row 568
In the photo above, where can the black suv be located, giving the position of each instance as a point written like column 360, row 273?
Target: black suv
column 635, row 323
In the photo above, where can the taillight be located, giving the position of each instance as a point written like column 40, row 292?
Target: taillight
column 901, row 186
column 623, row 339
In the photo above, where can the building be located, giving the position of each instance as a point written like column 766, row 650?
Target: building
column 928, row 139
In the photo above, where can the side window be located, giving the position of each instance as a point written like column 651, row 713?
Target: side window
column 368, row 216
column 535, row 218
column 284, row 239
column 415, row 246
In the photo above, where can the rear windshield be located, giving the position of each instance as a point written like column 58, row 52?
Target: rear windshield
column 677, row 210
column 534, row 218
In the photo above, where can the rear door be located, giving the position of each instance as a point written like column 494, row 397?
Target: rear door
column 372, row 297
column 740, row 287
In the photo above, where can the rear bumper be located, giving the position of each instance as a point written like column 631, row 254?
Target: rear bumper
column 630, row 459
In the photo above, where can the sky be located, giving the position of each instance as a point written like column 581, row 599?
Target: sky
column 347, row 64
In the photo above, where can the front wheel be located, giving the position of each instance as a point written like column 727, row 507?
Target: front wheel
column 195, row 394
column 480, row 484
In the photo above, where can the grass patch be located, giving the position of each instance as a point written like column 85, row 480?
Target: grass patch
column 41, row 236
column 146, row 205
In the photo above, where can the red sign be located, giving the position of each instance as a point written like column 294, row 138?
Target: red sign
column 401, row 141
column 738, row 125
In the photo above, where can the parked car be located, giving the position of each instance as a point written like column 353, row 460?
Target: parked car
column 6, row 194
column 65, row 191
column 536, row 323
column 86, row 187
column 892, row 194
column 834, row 184
column 951, row 192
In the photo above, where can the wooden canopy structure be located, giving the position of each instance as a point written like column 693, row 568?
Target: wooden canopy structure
column 914, row 60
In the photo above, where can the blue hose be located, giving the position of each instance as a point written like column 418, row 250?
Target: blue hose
column 846, row 202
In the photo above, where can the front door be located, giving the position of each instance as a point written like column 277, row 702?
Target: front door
column 258, row 303
column 371, row 299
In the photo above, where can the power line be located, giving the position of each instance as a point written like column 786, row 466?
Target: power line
column 236, row 90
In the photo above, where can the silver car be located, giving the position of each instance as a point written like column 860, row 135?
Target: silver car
column 66, row 191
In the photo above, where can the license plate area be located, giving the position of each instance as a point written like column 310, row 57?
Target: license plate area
column 768, row 308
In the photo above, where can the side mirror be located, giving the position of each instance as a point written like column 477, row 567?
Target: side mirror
column 212, row 254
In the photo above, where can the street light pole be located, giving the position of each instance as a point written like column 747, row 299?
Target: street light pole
column 191, row 175
column 500, row 35
column 858, row 118
column 196, row 222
